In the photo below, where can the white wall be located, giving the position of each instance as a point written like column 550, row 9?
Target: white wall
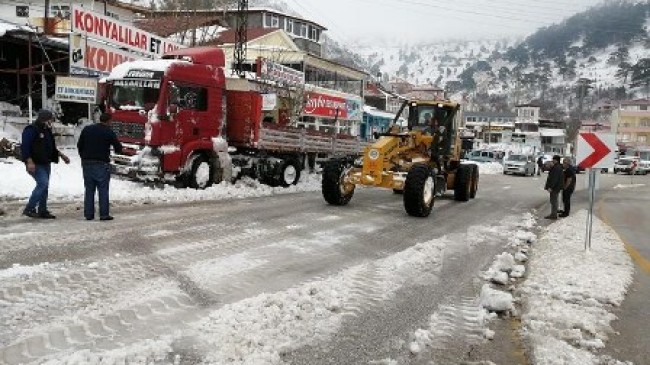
column 37, row 10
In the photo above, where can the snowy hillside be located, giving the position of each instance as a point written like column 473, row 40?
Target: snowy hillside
column 434, row 63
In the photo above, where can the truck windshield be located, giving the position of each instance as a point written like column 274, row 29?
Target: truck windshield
column 129, row 95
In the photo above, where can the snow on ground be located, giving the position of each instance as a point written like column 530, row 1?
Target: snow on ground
column 628, row 186
column 488, row 168
column 66, row 184
column 569, row 293
column 259, row 329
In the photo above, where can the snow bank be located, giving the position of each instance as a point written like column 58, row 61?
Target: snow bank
column 66, row 184
column 570, row 293
column 488, row 168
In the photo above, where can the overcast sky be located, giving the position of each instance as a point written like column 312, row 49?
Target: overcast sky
column 422, row 20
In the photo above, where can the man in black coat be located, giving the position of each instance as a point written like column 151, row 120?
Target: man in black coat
column 39, row 151
column 569, row 186
column 94, row 147
column 554, row 185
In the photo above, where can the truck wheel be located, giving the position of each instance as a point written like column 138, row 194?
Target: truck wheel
column 335, row 190
column 419, row 191
column 463, row 185
column 474, row 185
column 202, row 173
column 290, row 174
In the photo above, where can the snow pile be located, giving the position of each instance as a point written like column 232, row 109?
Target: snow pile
column 66, row 184
column 628, row 186
column 495, row 300
column 19, row 271
column 490, row 168
column 570, row 292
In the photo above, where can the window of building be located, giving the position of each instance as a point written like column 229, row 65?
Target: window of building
column 642, row 139
column 313, row 33
column 60, row 11
column 271, row 21
column 22, row 11
column 303, row 30
column 288, row 25
column 643, row 107
column 113, row 15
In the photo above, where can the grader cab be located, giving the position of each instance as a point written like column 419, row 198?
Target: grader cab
column 420, row 161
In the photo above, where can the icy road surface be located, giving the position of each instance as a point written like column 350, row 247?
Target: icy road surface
column 271, row 280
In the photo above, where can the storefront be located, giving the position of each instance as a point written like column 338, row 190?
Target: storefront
column 331, row 112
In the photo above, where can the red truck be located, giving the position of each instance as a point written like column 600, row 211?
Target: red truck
column 181, row 124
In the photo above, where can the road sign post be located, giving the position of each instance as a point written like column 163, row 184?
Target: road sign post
column 595, row 151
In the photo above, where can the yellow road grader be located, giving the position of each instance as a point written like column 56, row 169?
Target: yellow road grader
column 420, row 161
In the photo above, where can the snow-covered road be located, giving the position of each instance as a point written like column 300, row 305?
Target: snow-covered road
column 267, row 280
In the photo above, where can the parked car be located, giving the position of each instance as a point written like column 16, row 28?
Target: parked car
column 482, row 156
column 519, row 164
column 630, row 165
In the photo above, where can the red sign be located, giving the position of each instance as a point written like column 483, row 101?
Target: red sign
column 322, row 105
column 593, row 149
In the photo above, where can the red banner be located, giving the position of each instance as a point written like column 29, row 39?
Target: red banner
column 322, row 105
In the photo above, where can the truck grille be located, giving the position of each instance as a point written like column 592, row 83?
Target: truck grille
column 128, row 130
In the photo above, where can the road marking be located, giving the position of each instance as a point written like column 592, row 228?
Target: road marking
column 636, row 256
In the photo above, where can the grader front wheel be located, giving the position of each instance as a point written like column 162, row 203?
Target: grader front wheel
column 419, row 191
column 336, row 190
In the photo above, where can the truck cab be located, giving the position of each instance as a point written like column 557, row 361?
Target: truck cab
column 169, row 115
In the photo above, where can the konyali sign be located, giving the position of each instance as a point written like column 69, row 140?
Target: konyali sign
column 282, row 75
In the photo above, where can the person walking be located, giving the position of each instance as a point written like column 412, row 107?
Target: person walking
column 39, row 151
column 94, row 147
column 540, row 165
column 554, row 184
column 569, row 186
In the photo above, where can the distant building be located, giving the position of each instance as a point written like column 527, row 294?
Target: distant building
column 426, row 92
column 490, row 127
column 553, row 136
column 24, row 12
column 631, row 123
column 306, row 34
column 400, row 86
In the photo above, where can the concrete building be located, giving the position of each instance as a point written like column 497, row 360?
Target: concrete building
column 489, row 127
column 631, row 123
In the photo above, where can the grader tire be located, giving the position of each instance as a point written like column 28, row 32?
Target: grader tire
column 419, row 191
column 463, row 186
column 333, row 188
column 475, row 178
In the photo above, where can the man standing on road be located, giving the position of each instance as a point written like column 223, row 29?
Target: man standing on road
column 554, row 184
column 39, row 152
column 540, row 165
column 94, row 147
column 569, row 186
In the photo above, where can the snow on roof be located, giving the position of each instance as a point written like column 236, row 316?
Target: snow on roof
column 377, row 113
column 120, row 70
column 551, row 132
column 6, row 26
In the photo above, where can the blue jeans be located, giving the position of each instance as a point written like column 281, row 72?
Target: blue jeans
column 97, row 176
column 39, row 195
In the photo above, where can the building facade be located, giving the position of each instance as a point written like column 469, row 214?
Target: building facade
column 489, row 127
column 631, row 123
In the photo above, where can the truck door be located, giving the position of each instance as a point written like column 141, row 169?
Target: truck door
column 193, row 116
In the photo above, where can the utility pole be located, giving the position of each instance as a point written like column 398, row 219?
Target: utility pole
column 241, row 37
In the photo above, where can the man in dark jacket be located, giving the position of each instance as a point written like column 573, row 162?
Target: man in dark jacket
column 39, row 151
column 540, row 165
column 554, row 184
column 94, row 147
column 569, row 186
